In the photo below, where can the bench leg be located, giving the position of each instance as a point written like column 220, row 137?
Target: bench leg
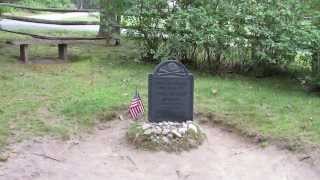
column 63, row 51
column 24, row 53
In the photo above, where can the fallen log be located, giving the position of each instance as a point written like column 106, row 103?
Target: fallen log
column 52, row 37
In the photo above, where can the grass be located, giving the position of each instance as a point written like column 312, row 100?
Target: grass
column 62, row 99
column 273, row 107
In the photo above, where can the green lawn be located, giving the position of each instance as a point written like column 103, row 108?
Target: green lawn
column 62, row 99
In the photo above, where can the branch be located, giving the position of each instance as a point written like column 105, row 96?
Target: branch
column 47, row 157
column 46, row 9
column 43, row 21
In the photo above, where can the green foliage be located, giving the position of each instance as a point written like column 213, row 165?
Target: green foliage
column 87, row 4
column 147, row 17
column 261, row 33
column 5, row 10
column 228, row 35
column 47, row 3
column 110, row 17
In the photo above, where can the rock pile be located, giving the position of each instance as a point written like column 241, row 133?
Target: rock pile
column 170, row 136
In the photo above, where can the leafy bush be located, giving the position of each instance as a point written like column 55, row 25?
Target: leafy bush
column 148, row 18
column 263, row 37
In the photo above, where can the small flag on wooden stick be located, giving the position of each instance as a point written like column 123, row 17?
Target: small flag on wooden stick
column 136, row 108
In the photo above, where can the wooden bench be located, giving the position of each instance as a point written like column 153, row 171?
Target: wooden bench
column 62, row 46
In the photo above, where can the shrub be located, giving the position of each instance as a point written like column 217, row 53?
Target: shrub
column 214, row 34
column 264, row 37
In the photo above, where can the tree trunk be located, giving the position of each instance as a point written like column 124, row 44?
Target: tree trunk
column 108, row 19
column 81, row 4
column 118, row 29
column 316, row 63
column 44, row 21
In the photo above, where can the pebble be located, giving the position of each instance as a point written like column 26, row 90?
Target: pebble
column 4, row 157
column 193, row 128
column 147, row 132
column 182, row 130
column 176, row 133
column 157, row 130
column 166, row 140
column 146, row 126
column 165, row 131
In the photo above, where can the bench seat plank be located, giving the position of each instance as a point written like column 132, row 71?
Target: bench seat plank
column 61, row 43
column 52, row 42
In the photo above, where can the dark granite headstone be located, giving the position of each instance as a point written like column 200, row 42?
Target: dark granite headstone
column 170, row 93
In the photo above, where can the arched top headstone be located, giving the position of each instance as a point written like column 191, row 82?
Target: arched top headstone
column 171, row 89
column 171, row 68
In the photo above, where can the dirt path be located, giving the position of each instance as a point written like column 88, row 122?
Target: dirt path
column 106, row 155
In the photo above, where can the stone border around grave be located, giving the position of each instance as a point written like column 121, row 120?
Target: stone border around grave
column 166, row 136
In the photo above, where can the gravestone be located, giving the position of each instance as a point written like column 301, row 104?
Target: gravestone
column 171, row 89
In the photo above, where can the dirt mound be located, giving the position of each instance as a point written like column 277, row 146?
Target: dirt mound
column 106, row 155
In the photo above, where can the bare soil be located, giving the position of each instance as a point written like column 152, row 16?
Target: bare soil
column 105, row 154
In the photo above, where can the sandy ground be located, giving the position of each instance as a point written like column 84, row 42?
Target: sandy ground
column 105, row 155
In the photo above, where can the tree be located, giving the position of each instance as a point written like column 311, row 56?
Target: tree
column 110, row 17
column 108, row 20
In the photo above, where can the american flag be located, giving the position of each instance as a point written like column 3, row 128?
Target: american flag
column 136, row 108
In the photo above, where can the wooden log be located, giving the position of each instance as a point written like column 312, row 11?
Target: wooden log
column 65, row 38
column 63, row 51
column 46, row 9
column 52, row 37
column 44, row 21
column 52, row 42
column 24, row 53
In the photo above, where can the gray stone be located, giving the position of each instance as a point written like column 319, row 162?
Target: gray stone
column 147, row 132
column 165, row 131
column 176, row 133
column 171, row 89
column 166, row 140
column 146, row 126
column 193, row 128
column 154, row 139
column 157, row 130
column 182, row 130
column 171, row 123
column 184, row 124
